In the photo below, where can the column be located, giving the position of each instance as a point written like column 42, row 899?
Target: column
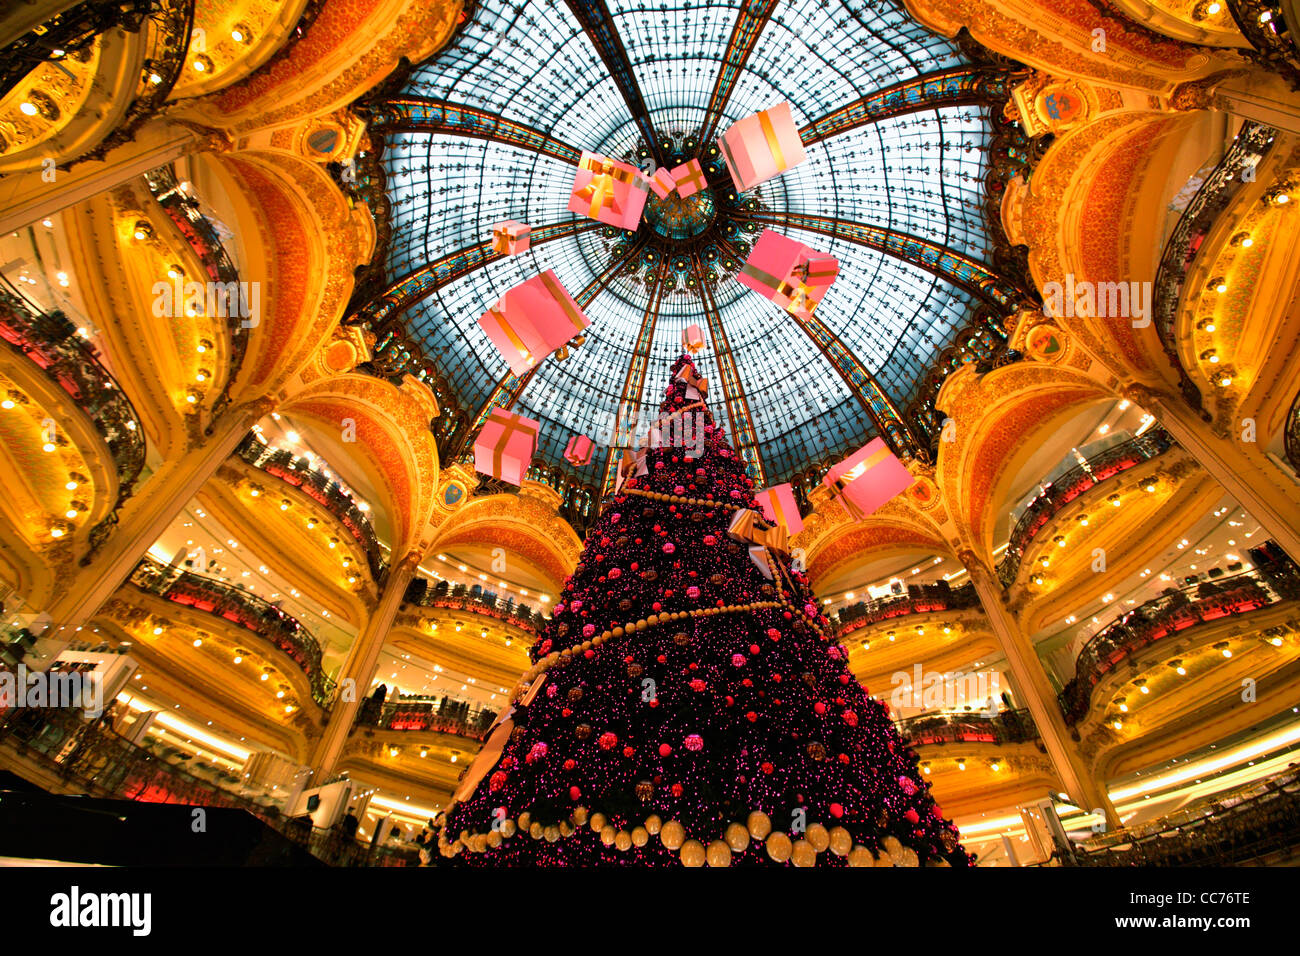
column 1266, row 492
column 1036, row 693
column 360, row 666
column 26, row 197
column 146, row 515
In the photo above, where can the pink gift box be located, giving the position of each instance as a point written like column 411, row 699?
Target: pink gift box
column 792, row 275
column 661, row 183
column 505, row 446
column 532, row 320
column 779, row 507
column 510, row 238
column 692, row 338
column 689, row 178
column 867, row 479
column 578, row 450
column 760, row 147
column 608, row 191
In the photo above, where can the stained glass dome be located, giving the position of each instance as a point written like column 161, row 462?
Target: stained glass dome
column 492, row 127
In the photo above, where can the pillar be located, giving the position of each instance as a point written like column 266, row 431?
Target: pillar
column 28, row 196
column 360, row 666
column 1036, row 693
column 1264, row 490
column 146, row 515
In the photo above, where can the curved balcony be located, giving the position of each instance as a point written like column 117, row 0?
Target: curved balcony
column 925, row 599
column 440, row 715
column 1107, row 464
column 183, row 210
column 326, row 492
column 1274, row 579
column 475, row 599
column 242, row 608
column 1218, row 190
column 1254, row 822
column 975, row 727
column 1263, row 23
column 50, row 340
column 170, row 24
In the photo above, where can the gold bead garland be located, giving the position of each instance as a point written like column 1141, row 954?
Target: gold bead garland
column 692, row 852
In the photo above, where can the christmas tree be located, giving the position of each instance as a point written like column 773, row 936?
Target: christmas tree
column 687, row 702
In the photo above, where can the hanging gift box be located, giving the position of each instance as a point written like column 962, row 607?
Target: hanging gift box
column 578, row 451
column 689, row 178
column 692, row 338
column 779, row 507
column 792, row 275
column 661, row 183
column 867, row 479
column 608, row 191
column 505, row 446
column 532, row 320
column 760, row 147
column 510, row 238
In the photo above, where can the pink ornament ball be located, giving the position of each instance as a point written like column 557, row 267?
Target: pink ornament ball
column 710, row 540
column 694, row 742
column 692, row 591
column 737, row 660
column 669, row 547
column 679, row 489
column 608, row 740
column 538, row 752
column 773, row 633
column 588, row 630
column 497, row 781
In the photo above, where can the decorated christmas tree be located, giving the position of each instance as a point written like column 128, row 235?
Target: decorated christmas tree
column 687, row 701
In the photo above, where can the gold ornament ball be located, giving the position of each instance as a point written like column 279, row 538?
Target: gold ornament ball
column 597, row 822
column 494, row 839
column 552, row 833
column 759, row 825
column 579, row 815
column 653, row 824
column 907, row 857
column 804, row 854
column 693, row 853
column 536, row 831
column 841, row 841
column 779, row 847
column 608, row 835
column 673, row 835
column 737, row 837
column 818, row 836
column 718, row 854
column 508, row 829
column 640, row 836
column 623, row 841
column 861, row 856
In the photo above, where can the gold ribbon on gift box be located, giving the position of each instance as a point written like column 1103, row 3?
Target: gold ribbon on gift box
column 515, row 340
column 774, row 144
column 746, row 526
column 501, row 242
column 600, row 190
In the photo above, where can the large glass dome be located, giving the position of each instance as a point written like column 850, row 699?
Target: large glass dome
column 558, row 78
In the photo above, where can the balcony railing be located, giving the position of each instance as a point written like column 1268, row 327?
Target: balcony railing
column 475, row 599
column 1252, row 144
column 244, row 609
column 1274, row 579
column 1225, row 830
column 925, row 599
column 975, row 727
column 52, row 343
column 283, row 465
column 436, row 714
column 1076, row 481
column 1263, row 23
column 97, row 760
column 169, row 27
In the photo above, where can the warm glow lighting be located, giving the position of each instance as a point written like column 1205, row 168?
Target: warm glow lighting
column 27, row 109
